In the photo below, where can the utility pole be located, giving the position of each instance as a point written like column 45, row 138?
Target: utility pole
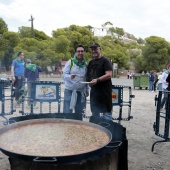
column 32, row 26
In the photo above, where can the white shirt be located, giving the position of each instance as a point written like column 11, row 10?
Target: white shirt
column 164, row 83
column 160, row 79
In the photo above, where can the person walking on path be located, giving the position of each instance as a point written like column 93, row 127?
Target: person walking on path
column 17, row 74
column 31, row 74
column 99, row 74
column 151, row 80
column 74, row 76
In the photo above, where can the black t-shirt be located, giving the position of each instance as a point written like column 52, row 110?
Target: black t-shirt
column 101, row 93
column 97, row 67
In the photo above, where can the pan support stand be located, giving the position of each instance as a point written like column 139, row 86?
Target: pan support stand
column 6, row 120
column 153, row 145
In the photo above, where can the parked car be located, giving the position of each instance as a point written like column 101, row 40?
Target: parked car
column 5, row 79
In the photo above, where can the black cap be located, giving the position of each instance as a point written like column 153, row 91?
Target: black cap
column 95, row 45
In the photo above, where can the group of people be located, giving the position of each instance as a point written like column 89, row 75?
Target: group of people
column 129, row 75
column 153, row 80
column 23, row 71
column 163, row 81
column 165, row 85
column 81, row 79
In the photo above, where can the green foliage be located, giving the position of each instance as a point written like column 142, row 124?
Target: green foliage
column 132, row 45
column 62, row 44
column 3, row 26
column 140, row 41
column 106, row 23
column 149, row 54
column 114, row 51
column 89, row 27
column 156, row 52
column 131, row 36
column 119, row 31
column 139, row 63
column 12, row 38
column 8, row 41
column 133, row 53
column 26, row 32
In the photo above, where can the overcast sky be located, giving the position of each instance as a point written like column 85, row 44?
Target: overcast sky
column 142, row 18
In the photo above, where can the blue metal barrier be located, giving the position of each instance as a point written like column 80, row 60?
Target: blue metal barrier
column 6, row 99
column 162, row 124
column 117, row 100
column 42, row 92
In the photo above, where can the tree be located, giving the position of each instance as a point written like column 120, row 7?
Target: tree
column 119, row 31
column 10, row 40
column 62, row 45
column 140, row 41
column 89, row 27
column 133, row 53
column 140, row 64
column 156, row 52
column 106, row 23
column 3, row 26
column 114, row 51
column 76, row 35
column 26, row 32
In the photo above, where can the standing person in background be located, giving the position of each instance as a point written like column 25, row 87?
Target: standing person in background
column 31, row 74
column 143, row 73
column 99, row 74
column 17, row 74
column 160, row 82
column 165, row 85
column 151, row 80
column 128, row 74
column 147, row 73
column 155, row 81
column 74, row 74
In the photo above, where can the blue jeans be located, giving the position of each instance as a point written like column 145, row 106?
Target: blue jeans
column 107, row 116
column 79, row 107
column 164, row 98
column 29, row 86
column 160, row 86
column 18, row 84
column 150, row 85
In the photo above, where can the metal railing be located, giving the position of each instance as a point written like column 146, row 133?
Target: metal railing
column 162, row 124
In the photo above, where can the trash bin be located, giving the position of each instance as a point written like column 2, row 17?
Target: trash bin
column 141, row 81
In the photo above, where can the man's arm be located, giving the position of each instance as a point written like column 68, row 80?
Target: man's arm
column 12, row 73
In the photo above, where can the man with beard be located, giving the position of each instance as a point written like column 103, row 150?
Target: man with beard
column 99, row 73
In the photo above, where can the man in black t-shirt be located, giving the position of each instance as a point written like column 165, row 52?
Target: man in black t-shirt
column 99, row 74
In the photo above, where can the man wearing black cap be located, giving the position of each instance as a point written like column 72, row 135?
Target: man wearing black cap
column 99, row 74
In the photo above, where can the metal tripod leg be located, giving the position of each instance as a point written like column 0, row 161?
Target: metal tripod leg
column 156, row 143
